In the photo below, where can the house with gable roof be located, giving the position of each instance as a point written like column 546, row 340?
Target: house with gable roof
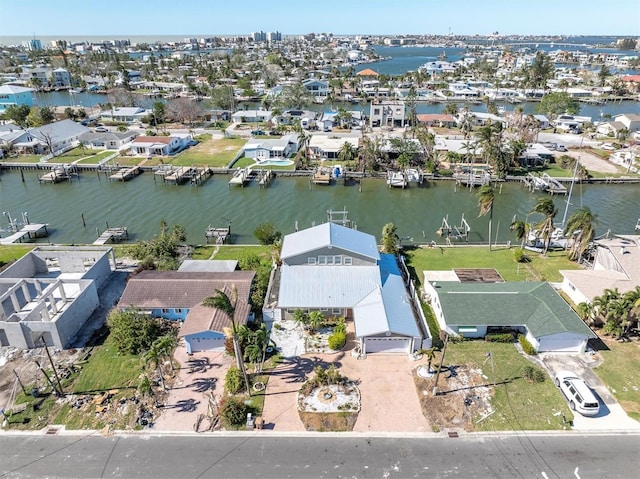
column 262, row 149
column 338, row 271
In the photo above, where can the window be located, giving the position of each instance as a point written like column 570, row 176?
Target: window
column 165, row 311
column 178, row 310
column 336, row 311
column 322, row 260
column 347, row 260
column 311, row 261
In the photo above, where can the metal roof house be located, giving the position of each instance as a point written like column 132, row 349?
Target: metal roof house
column 178, row 295
column 535, row 309
column 338, row 271
column 49, row 294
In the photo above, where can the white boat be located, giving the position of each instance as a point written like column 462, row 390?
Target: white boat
column 396, row 179
column 414, row 175
column 638, row 225
column 76, row 90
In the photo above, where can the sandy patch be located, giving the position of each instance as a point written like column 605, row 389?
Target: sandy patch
column 593, row 162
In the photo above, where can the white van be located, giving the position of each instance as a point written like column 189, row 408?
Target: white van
column 580, row 397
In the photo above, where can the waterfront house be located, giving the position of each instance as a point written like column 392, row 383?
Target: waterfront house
column 112, row 140
column 474, row 309
column 323, row 147
column 56, row 137
column 9, row 133
column 128, row 114
column 610, row 128
column 49, row 294
column 251, row 116
column 159, row 145
column 262, row 149
column 15, row 95
column 615, row 265
column 631, row 121
column 318, row 88
column 338, row 271
column 388, row 113
column 178, row 296
column 440, row 120
column 61, row 77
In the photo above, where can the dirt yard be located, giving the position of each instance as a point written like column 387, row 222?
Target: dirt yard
column 593, row 162
column 463, row 398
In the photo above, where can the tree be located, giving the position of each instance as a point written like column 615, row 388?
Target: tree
column 294, row 96
column 18, row 113
column 545, row 207
column 486, row 197
column 539, row 72
column 223, row 97
column 132, row 330
column 580, row 226
column 520, row 229
column 226, row 305
column 603, row 74
column 557, row 103
column 390, row 239
column 347, row 153
column 158, row 111
column 184, row 110
column 267, row 234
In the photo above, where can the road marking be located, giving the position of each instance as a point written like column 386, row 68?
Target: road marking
column 575, row 473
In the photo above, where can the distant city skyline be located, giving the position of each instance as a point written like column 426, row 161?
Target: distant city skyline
column 125, row 18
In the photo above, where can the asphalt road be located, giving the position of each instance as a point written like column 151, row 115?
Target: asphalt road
column 242, row 456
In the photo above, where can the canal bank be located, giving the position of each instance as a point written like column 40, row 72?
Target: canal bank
column 78, row 211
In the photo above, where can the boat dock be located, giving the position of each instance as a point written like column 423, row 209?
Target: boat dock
column 321, row 176
column 31, row 231
column 200, row 175
column 125, row 174
column 240, row 177
column 59, row 173
column 473, row 177
column 218, row 235
column 553, row 185
column 112, row 235
column 397, row 179
column 265, row 177
column 179, row 175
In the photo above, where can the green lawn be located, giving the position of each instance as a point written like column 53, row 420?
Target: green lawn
column 12, row 252
column 540, row 268
column 24, row 159
column 216, row 153
column 518, row 404
column 240, row 252
column 620, row 371
column 97, row 158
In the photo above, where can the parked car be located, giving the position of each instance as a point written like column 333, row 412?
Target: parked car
column 102, row 129
column 608, row 147
column 258, row 132
column 560, row 147
column 580, row 397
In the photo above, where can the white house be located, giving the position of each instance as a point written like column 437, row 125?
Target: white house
column 113, row 140
column 128, row 114
column 325, row 147
column 251, row 116
column 159, row 145
column 262, row 149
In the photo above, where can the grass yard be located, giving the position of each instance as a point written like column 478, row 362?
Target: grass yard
column 12, row 252
column 216, row 153
column 540, row 268
column 105, row 370
column 620, row 371
column 518, row 404
column 23, row 159
column 241, row 252
column 97, row 158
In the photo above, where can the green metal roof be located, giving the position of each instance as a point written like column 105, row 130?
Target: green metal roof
column 533, row 304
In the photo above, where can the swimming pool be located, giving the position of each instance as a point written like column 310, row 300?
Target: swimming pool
column 272, row 162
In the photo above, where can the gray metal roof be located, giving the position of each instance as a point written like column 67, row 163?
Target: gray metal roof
column 326, row 286
column 208, row 266
column 58, row 131
column 329, row 234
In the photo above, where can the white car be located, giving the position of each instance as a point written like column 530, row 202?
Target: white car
column 608, row 146
column 580, row 397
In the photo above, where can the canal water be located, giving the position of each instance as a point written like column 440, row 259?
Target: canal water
column 417, row 212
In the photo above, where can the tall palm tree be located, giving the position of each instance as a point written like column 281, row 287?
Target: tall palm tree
column 347, row 153
column 547, row 208
column 154, row 356
column 227, row 305
column 520, row 229
column 486, row 197
column 580, row 226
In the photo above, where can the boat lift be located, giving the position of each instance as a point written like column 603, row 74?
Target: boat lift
column 454, row 231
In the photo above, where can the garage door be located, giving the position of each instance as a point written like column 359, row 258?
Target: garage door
column 561, row 344
column 387, row 345
column 206, row 344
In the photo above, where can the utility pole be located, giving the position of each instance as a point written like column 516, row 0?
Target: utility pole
column 53, row 366
column 20, row 382
column 444, row 350
column 53, row 386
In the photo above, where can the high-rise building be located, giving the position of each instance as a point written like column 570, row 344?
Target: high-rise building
column 274, row 37
column 32, row 45
column 258, row 36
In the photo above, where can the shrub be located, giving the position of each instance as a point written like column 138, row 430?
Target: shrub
column 132, row 330
column 234, row 412
column 611, row 328
column 233, row 381
column 337, row 340
column 267, row 234
column 341, row 327
column 533, row 374
column 499, row 338
column 445, row 172
column 527, row 347
column 520, row 256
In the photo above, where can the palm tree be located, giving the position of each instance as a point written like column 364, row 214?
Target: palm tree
column 390, row 238
column 227, row 305
column 154, row 357
column 581, row 224
column 347, row 153
column 547, row 208
column 486, row 197
column 520, row 229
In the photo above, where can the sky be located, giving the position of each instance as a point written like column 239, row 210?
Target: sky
column 126, row 18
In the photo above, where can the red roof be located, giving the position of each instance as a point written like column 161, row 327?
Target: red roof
column 631, row 78
column 427, row 117
column 367, row 72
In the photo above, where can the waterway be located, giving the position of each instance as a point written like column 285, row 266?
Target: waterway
column 417, row 212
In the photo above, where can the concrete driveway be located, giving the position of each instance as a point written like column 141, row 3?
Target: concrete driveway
column 389, row 401
column 611, row 415
column 198, row 376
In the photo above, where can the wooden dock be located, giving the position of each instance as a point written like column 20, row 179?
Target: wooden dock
column 59, row 173
column 200, row 175
column 240, row 177
column 31, row 231
column 125, row 174
column 218, row 235
column 179, row 175
column 321, row 176
column 554, row 186
column 112, row 235
column 265, row 177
